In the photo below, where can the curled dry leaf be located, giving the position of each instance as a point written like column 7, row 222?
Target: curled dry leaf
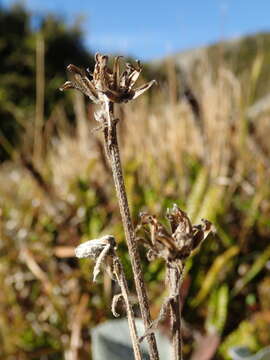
column 98, row 249
column 115, row 302
column 93, row 248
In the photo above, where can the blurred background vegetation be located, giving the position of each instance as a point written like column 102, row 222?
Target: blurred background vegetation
column 199, row 140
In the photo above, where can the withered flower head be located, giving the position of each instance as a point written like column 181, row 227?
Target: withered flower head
column 107, row 84
column 178, row 243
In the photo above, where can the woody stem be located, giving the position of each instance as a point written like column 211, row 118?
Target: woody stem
column 113, row 154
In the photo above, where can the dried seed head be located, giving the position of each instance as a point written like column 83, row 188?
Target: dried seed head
column 107, row 84
column 180, row 242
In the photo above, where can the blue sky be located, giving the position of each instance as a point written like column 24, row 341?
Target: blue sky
column 151, row 29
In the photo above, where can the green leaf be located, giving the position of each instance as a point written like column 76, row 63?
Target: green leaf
column 253, row 271
column 217, row 310
column 213, row 274
column 196, row 195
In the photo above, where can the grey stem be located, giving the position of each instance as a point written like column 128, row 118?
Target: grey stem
column 113, row 153
column 130, row 315
column 175, row 277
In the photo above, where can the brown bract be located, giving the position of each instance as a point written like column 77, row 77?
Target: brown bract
column 107, row 84
column 178, row 243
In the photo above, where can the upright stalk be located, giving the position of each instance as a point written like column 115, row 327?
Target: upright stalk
column 113, row 153
column 175, row 282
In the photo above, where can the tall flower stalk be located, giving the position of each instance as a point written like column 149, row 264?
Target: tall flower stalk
column 106, row 87
column 114, row 155
column 175, row 246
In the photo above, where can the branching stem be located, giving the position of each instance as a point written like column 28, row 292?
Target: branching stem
column 113, row 153
column 119, row 273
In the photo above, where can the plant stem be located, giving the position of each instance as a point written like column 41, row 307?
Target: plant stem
column 113, row 153
column 119, row 273
column 175, row 283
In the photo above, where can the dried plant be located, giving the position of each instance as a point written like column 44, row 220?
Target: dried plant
column 103, row 251
column 175, row 246
column 106, row 88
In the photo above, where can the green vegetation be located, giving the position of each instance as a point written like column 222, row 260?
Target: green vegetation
column 18, row 54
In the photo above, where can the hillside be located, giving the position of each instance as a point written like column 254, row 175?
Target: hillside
column 239, row 54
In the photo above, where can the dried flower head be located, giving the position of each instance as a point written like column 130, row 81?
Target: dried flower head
column 178, row 243
column 107, row 84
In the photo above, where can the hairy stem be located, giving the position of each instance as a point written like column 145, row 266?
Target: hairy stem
column 113, row 153
column 175, row 283
column 119, row 273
